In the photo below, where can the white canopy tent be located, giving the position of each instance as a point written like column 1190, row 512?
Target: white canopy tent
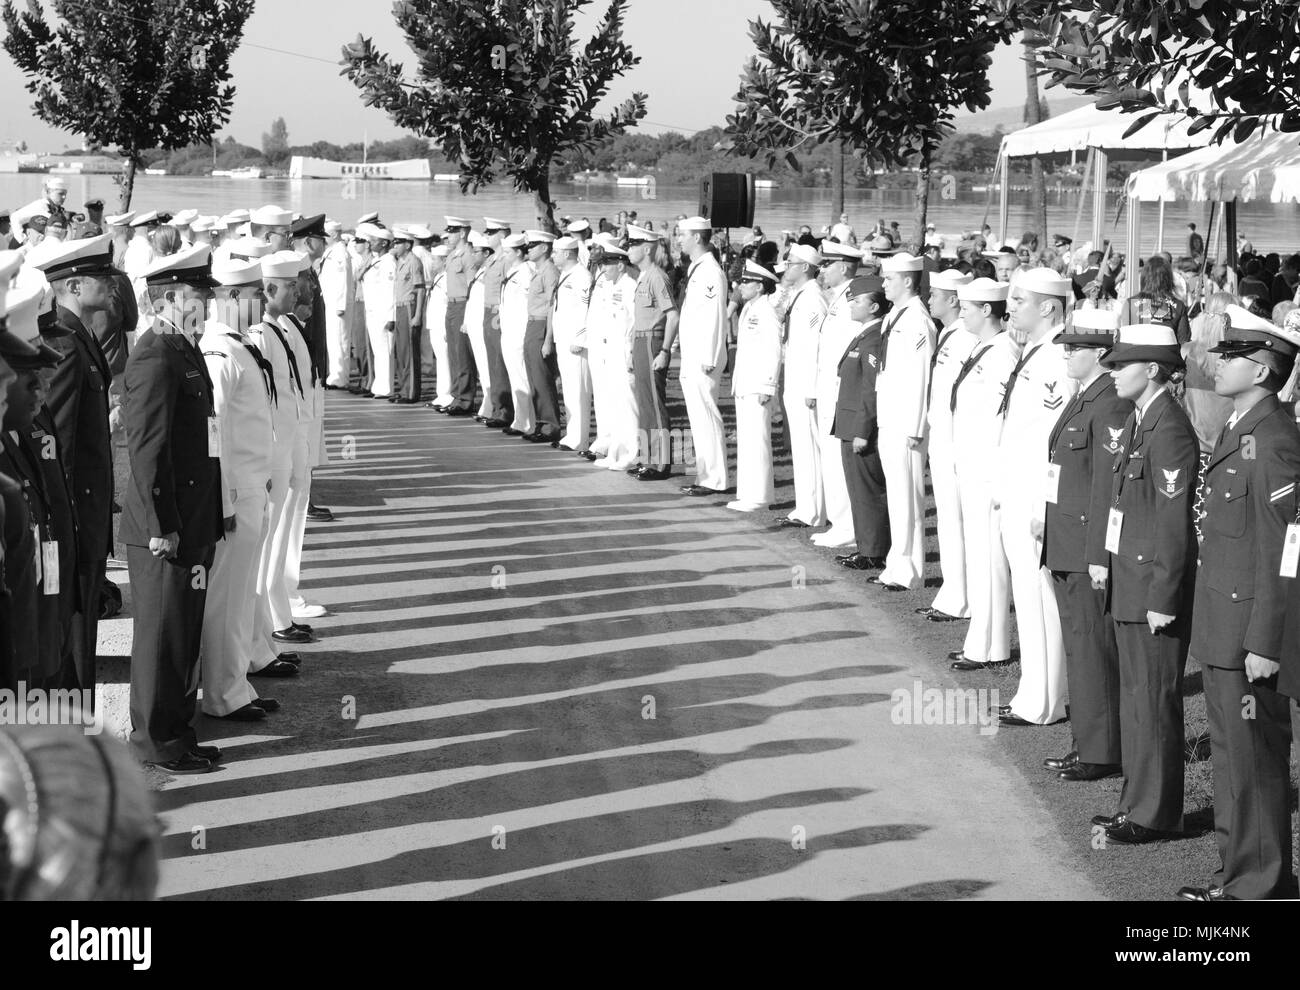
column 1101, row 134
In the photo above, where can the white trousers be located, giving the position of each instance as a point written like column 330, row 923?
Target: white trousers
column 753, row 450
column 806, row 461
column 442, row 370
column 1041, row 695
column 478, row 345
column 988, row 580
column 951, row 598
column 293, row 527
column 835, row 488
column 272, row 596
column 602, row 398
column 575, row 380
column 336, row 343
column 512, row 353
column 619, row 435
column 381, row 356
column 905, row 492
column 231, row 606
column 707, row 437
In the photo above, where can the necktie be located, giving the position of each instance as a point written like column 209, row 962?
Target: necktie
column 265, row 366
column 1015, row 376
column 934, row 360
column 293, row 362
column 967, row 367
column 884, row 337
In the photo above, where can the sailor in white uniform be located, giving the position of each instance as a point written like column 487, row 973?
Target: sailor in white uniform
column 754, row 381
column 805, row 311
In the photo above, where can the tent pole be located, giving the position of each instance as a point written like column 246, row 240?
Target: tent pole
column 1004, row 204
column 1083, row 198
column 1133, row 245
column 1230, row 230
column 1099, row 199
column 1160, row 232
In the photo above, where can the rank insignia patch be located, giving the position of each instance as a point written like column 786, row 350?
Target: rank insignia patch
column 1115, row 435
column 1172, row 488
column 1052, row 400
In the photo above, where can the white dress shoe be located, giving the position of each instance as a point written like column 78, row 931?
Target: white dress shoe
column 830, row 538
column 307, row 610
column 740, row 506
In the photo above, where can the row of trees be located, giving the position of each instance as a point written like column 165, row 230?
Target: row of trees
column 880, row 79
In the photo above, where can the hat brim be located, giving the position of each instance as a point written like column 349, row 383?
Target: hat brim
column 1086, row 340
column 1129, row 353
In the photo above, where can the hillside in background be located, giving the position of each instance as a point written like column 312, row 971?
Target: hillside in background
column 1012, row 118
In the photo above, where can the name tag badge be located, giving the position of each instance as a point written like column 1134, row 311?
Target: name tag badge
column 1053, row 479
column 1113, row 526
column 214, row 437
column 854, row 354
column 50, row 566
column 1291, row 551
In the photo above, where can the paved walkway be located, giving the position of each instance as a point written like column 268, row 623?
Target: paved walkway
column 544, row 680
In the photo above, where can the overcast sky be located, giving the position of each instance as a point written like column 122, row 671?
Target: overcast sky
column 692, row 52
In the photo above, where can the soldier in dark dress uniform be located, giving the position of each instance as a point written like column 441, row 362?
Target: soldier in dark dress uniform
column 1152, row 553
column 1241, row 606
column 171, row 515
column 855, row 426
column 1081, row 452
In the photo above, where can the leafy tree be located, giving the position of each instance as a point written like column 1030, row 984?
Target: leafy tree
column 501, row 85
column 275, row 145
column 1150, row 55
column 135, row 74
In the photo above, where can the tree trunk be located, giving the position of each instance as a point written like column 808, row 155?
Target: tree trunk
column 1037, row 184
column 127, row 183
column 837, row 181
column 543, row 205
column 922, row 201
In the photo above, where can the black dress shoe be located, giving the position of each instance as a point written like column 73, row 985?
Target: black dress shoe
column 1110, row 821
column 248, row 713
column 189, row 763
column 302, row 627
column 276, row 668
column 317, row 513
column 635, row 469
column 1014, row 721
column 698, row 490
column 565, row 446
column 550, row 438
column 457, row 411
column 887, row 585
column 796, row 523
column 588, row 455
column 510, row 431
column 211, row 753
column 1059, row 763
column 1000, row 710
column 961, row 663
column 1204, row 894
column 367, row 394
column 935, row 615
column 291, row 635
column 480, row 419
column 497, row 424
column 391, row 398
column 266, row 704
column 1133, row 834
column 861, row 562
column 435, row 407
column 292, row 658
column 654, row 474
column 1091, row 771
column 404, row 401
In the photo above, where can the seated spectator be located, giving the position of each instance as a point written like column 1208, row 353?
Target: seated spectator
column 1255, row 283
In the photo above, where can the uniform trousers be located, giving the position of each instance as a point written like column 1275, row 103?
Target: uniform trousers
column 753, row 451
column 168, row 600
column 441, row 370
column 616, row 409
column 542, row 372
column 1151, row 722
column 271, row 589
column 951, row 598
column 336, row 343
column 1040, row 697
column 295, row 522
column 361, row 366
column 575, row 383
column 521, row 391
column 231, row 606
column 988, row 578
column 406, row 355
column 805, row 457
column 478, row 347
column 835, row 486
column 905, row 488
column 654, row 444
column 780, row 409
column 1091, row 665
column 85, row 624
column 1252, row 784
column 707, row 435
column 464, row 373
column 503, row 400
column 870, row 506
column 381, row 352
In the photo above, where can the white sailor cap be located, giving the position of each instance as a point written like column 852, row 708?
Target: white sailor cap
column 282, row 264
column 271, row 216
column 515, row 241
column 247, row 247
column 56, row 182
column 21, row 345
column 834, row 252
column 378, row 232
column 184, row 218
column 901, row 264
column 950, row 280
column 419, row 231
column 984, row 290
column 457, row 223
column 237, row 271
column 191, row 266
column 492, row 223
column 365, row 231
column 1090, row 328
column 236, row 217
column 693, row 225
column 64, row 259
column 401, row 232
column 640, row 235
column 333, row 227
column 539, row 237
column 1045, row 282
column 371, row 217
column 566, row 244
column 804, row 254
column 146, row 219
column 10, row 262
column 120, row 219
column 439, row 251
column 202, row 224
column 577, row 227
column 480, row 242
column 304, row 261
column 754, row 272
column 219, row 223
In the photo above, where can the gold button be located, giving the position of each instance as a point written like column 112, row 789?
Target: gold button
column 1234, row 594
column 1139, row 556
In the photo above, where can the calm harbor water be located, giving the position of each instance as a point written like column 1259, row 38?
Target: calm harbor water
column 1269, row 227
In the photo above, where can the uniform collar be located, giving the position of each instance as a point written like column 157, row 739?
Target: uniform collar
column 1146, row 406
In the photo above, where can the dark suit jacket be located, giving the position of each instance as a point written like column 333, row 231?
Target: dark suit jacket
column 855, row 407
column 78, row 400
column 1083, row 445
column 175, row 485
column 1250, row 498
column 19, row 580
column 1154, row 486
